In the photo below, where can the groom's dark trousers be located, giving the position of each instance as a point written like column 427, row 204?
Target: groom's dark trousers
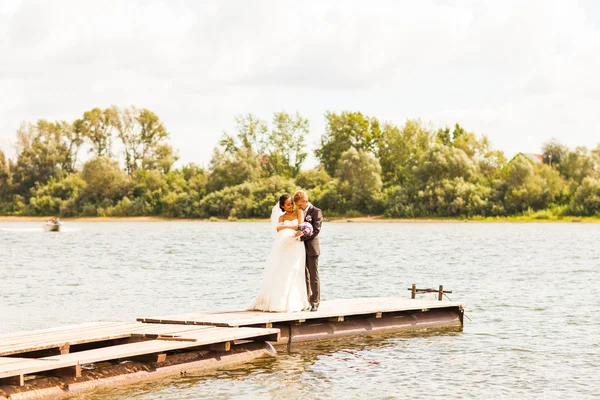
column 313, row 286
column 313, row 216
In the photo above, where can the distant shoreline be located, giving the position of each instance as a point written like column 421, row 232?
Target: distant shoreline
column 377, row 219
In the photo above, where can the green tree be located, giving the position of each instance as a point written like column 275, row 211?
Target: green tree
column 554, row 152
column 285, row 147
column 152, row 139
column 97, row 126
column 41, row 155
column 230, row 169
column 144, row 138
column 124, row 121
column 359, row 175
column 104, row 181
column 586, row 200
column 246, row 200
column 445, row 162
column 251, row 135
column 5, row 179
column 312, row 178
column 149, row 188
column 399, row 151
column 436, row 175
column 240, row 158
column 479, row 150
column 577, row 165
column 57, row 197
column 162, row 159
column 527, row 186
column 343, row 131
column 452, row 198
column 523, row 189
column 72, row 143
column 556, row 189
column 195, row 177
column 596, row 157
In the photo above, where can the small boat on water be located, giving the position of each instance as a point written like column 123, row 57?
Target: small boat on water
column 52, row 225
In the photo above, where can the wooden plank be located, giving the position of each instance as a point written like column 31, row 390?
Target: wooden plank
column 12, row 360
column 166, row 329
column 181, row 339
column 202, row 336
column 123, row 330
column 328, row 309
column 177, row 317
column 26, row 336
column 86, row 325
column 65, row 335
column 214, row 335
column 64, row 340
column 30, row 366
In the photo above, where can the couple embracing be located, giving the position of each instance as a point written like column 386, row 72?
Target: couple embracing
column 291, row 275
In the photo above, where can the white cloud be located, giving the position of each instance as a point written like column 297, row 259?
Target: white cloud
column 520, row 72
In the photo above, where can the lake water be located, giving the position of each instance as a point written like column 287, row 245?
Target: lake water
column 532, row 293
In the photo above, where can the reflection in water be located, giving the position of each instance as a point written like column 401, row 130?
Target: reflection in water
column 307, row 368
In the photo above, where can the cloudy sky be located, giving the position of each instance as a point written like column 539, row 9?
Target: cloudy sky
column 520, row 72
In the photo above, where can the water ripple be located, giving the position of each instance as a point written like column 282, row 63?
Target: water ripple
column 530, row 289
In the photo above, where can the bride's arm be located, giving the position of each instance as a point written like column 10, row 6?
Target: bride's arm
column 282, row 227
column 300, row 215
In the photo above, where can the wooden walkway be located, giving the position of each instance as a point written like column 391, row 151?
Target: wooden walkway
column 146, row 339
column 335, row 309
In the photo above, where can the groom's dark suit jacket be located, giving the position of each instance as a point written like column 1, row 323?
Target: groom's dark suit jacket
column 314, row 216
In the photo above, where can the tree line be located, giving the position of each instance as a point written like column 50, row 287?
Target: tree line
column 366, row 167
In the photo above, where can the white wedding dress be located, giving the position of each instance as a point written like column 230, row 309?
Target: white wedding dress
column 284, row 284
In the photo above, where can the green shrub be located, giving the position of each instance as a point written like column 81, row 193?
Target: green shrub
column 586, row 200
column 69, row 208
column 89, row 210
column 542, row 215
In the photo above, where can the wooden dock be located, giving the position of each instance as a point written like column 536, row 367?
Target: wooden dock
column 93, row 354
column 66, row 349
column 338, row 310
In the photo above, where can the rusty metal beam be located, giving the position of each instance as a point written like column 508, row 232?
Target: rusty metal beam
column 395, row 322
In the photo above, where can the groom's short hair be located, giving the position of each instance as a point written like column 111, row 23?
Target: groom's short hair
column 300, row 195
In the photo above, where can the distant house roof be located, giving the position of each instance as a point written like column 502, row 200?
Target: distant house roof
column 536, row 158
column 533, row 157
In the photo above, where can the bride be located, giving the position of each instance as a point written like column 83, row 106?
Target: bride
column 284, row 284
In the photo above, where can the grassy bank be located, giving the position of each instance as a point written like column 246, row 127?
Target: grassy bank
column 377, row 219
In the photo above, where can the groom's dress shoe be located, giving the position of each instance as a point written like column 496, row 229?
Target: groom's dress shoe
column 314, row 307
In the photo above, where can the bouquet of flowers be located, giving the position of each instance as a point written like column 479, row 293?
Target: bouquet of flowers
column 305, row 228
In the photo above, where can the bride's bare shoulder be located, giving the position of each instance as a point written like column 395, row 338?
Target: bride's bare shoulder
column 281, row 218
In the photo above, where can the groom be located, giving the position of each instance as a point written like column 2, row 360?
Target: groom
column 313, row 216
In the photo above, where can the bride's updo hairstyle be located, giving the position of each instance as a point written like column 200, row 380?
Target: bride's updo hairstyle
column 282, row 199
